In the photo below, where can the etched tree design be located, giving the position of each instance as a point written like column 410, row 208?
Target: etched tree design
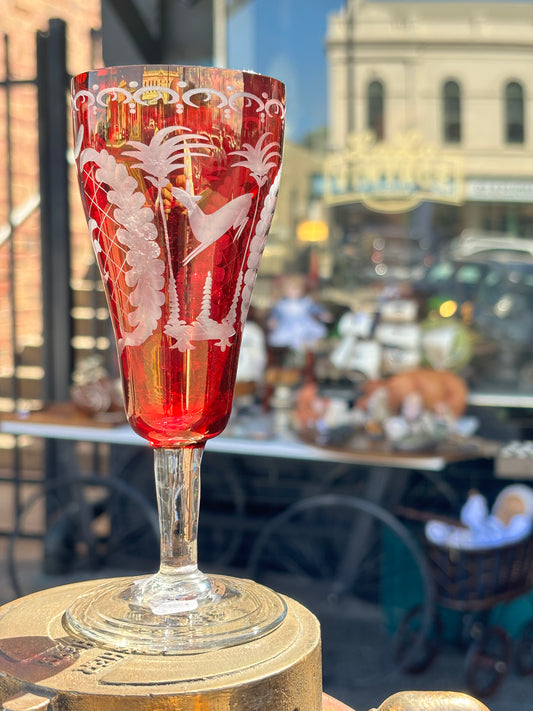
column 259, row 160
column 165, row 154
column 205, row 327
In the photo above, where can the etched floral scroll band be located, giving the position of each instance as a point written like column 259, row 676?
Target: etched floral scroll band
column 136, row 96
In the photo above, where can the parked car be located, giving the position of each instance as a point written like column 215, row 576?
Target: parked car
column 489, row 245
column 503, row 317
column 503, row 307
column 450, row 280
column 495, row 298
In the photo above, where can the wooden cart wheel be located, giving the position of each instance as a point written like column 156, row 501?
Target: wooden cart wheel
column 524, row 650
column 487, row 661
column 408, row 638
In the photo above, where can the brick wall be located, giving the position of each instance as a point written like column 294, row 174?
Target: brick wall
column 21, row 20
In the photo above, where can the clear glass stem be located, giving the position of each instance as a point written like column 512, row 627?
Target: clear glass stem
column 177, row 481
column 179, row 587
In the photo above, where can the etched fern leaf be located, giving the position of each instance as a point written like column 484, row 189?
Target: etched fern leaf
column 143, row 270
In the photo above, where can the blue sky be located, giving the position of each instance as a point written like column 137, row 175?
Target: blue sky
column 285, row 39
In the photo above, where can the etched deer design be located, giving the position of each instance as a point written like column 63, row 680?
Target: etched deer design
column 208, row 228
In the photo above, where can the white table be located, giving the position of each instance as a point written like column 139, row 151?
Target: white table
column 381, row 466
column 371, row 454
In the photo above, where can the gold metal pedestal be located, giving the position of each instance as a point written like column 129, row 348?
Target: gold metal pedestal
column 43, row 667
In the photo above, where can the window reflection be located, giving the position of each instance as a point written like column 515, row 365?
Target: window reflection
column 375, row 109
column 405, row 152
column 514, row 113
column 451, row 104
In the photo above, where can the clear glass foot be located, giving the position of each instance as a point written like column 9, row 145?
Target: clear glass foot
column 179, row 609
column 128, row 614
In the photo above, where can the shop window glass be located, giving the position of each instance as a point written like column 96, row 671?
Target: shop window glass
column 451, row 100
column 375, row 109
column 514, row 113
column 388, row 212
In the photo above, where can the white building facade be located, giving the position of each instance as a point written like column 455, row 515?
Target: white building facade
column 448, row 83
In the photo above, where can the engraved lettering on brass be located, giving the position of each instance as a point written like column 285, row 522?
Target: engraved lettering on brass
column 57, row 655
column 80, row 644
column 101, row 662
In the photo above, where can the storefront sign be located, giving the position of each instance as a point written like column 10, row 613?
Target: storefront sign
column 392, row 177
column 487, row 190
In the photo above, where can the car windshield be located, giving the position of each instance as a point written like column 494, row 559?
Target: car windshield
column 440, row 273
column 504, row 305
column 469, row 274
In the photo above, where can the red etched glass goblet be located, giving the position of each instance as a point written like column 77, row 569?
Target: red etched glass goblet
column 179, row 170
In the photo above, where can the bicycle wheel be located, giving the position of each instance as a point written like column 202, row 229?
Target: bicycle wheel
column 91, row 527
column 359, row 570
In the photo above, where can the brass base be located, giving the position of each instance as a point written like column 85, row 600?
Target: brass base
column 44, row 667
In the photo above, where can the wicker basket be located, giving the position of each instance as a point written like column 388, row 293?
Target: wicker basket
column 474, row 580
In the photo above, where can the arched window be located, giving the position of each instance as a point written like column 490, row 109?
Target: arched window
column 514, row 113
column 375, row 109
column 451, row 112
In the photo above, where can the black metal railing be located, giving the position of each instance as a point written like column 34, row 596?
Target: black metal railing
column 11, row 355
column 53, row 361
